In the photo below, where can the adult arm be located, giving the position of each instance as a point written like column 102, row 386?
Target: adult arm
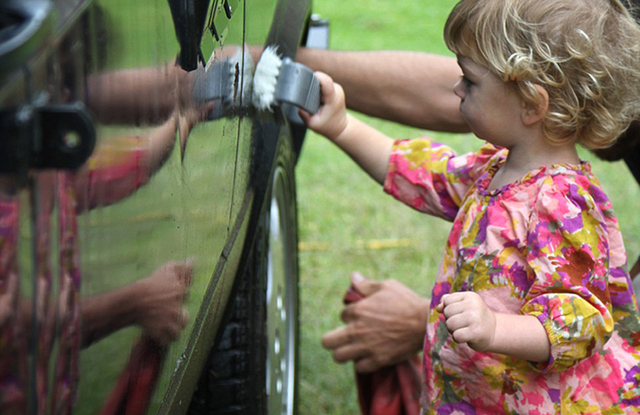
column 412, row 88
column 140, row 95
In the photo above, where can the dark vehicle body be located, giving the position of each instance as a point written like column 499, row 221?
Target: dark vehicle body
column 122, row 170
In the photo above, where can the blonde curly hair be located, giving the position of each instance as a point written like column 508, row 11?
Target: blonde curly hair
column 584, row 53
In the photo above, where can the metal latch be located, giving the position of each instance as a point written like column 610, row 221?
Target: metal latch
column 45, row 137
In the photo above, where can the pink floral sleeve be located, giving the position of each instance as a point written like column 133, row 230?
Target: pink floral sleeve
column 569, row 256
column 431, row 177
column 113, row 172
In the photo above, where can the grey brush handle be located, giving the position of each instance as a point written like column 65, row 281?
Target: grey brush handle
column 298, row 85
column 213, row 84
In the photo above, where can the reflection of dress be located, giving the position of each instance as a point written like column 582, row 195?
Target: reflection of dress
column 112, row 174
column 547, row 246
column 13, row 345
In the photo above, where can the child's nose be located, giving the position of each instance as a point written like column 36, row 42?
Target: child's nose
column 458, row 89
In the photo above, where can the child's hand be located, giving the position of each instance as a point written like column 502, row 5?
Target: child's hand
column 468, row 319
column 331, row 118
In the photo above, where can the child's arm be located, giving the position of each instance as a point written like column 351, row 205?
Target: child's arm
column 121, row 165
column 365, row 145
column 469, row 320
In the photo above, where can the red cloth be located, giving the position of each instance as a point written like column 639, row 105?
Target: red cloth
column 392, row 390
column 132, row 393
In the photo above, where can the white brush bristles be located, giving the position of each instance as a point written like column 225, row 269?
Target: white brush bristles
column 266, row 78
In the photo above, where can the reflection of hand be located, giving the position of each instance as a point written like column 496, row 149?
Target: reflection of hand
column 385, row 327
column 468, row 319
column 189, row 119
column 159, row 301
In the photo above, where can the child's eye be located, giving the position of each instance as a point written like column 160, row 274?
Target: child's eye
column 466, row 82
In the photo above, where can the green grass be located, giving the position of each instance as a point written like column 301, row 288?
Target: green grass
column 341, row 209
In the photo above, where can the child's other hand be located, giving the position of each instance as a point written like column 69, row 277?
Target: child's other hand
column 468, row 319
column 331, row 118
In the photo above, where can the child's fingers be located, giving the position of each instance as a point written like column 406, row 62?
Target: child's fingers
column 330, row 91
column 462, row 335
column 456, row 297
column 327, row 91
column 458, row 327
column 449, row 299
column 454, row 309
column 304, row 115
column 453, row 323
column 331, row 118
column 327, row 88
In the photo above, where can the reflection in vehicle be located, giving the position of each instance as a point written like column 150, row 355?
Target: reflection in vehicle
column 119, row 167
column 124, row 282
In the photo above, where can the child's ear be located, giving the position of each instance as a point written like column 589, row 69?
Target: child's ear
column 532, row 113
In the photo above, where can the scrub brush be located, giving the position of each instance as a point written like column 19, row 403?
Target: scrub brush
column 282, row 81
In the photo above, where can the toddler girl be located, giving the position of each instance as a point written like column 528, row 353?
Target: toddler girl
column 532, row 311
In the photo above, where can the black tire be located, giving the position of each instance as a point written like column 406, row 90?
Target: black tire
column 252, row 369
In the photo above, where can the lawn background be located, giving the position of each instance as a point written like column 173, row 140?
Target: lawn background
column 347, row 223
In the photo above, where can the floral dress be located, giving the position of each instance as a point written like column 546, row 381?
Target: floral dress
column 548, row 246
column 111, row 174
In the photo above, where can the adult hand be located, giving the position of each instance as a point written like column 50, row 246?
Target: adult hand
column 159, row 301
column 385, row 327
column 468, row 319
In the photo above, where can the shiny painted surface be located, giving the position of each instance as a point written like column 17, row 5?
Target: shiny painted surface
column 183, row 212
column 122, row 258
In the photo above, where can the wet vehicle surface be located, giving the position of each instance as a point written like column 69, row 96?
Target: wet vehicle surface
column 148, row 237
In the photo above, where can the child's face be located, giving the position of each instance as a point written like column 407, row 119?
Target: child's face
column 491, row 108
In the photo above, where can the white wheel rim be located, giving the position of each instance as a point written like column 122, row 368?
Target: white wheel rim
column 281, row 304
